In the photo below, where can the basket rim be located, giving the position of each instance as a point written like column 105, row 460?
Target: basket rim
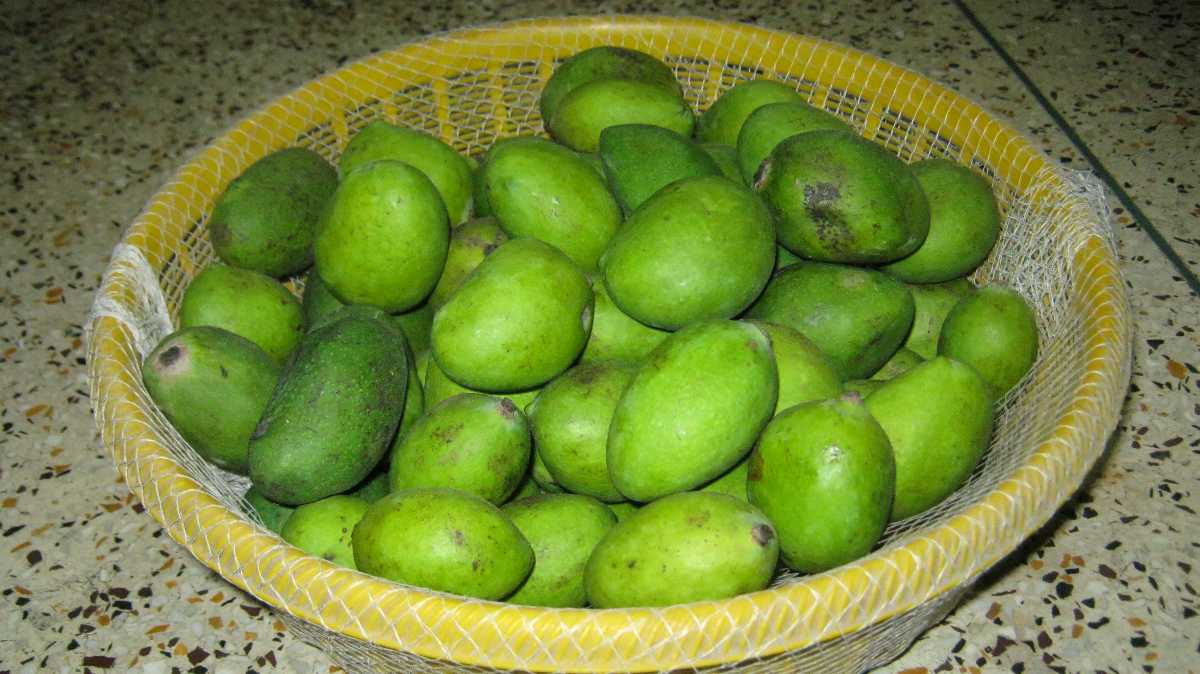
column 1052, row 472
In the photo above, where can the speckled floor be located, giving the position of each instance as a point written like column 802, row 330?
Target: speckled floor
column 103, row 101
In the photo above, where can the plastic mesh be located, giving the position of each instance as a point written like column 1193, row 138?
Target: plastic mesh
column 472, row 87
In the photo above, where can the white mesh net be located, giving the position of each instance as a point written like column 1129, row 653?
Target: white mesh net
column 472, row 88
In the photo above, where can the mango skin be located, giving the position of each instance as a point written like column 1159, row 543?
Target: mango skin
column 470, row 242
column 570, row 420
column 245, row 303
column 473, row 443
column 539, row 189
column 374, row 487
column 323, row 528
column 616, row 335
column 857, row 316
column 725, row 157
column 805, row 371
column 994, row 331
column 591, row 108
column 562, row 529
column 318, row 303
column 334, row 412
column 700, row 248
column 863, row 387
column 770, row 124
column 267, row 217
column 383, row 239
column 439, row 387
column 932, row 302
column 692, row 410
column 444, row 540
column 604, row 62
column 624, row 509
column 449, row 171
column 212, row 385
column 938, row 417
column 837, row 197
column 723, row 120
column 640, row 159
column 273, row 515
column 964, row 224
column 686, row 547
column 824, row 473
column 517, row 322
column 733, row 482
column 900, row 362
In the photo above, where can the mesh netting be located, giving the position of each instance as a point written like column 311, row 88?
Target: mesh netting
column 472, row 87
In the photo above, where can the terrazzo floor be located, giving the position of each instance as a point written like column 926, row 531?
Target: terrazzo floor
column 103, row 101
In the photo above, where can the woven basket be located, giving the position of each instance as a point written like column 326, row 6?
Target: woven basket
column 471, row 87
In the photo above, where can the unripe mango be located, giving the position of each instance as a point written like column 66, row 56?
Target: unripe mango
column 692, row 410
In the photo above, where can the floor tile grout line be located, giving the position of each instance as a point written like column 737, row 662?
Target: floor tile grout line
column 1098, row 166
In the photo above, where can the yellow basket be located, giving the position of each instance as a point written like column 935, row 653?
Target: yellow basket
column 473, row 86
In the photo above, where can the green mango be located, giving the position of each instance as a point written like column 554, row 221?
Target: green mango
column 562, row 529
column 474, row 443
column 785, row 258
column 593, row 107
column 449, row 171
column 857, row 316
column 931, row 303
column 725, row 157
column 317, row 300
column 699, row 248
column 273, row 515
column 212, row 385
column 528, row 487
column 319, row 303
column 416, row 325
column 542, row 190
column 615, row 335
column 542, row 477
column 470, row 242
column 994, row 331
column 964, row 223
column 770, row 124
column 322, row 528
column 863, row 387
column 383, row 239
column 692, row 410
column 805, row 371
column 374, row 487
column 266, row 218
column 640, row 159
column 623, row 510
column 439, row 387
column 938, row 417
column 334, row 412
column 824, row 473
column 693, row 546
column 517, row 322
column 479, row 203
column 246, row 303
column 901, row 361
column 733, row 482
column 601, row 63
column 837, row 197
column 444, row 540
column 570, row 420
column 723, row 120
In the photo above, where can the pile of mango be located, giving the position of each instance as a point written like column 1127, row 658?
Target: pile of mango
column 640, row 362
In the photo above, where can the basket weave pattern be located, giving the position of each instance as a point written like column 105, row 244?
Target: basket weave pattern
column 472, row 87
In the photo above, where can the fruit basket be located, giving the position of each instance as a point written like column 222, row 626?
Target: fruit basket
column 473, row 86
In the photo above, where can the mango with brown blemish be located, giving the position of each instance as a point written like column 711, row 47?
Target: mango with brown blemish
column 692, row 546
column 213, row 386
column 474, row 443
